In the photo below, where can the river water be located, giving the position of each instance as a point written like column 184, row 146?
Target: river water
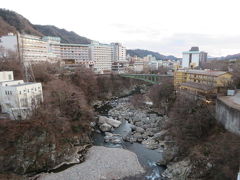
column 146, row 157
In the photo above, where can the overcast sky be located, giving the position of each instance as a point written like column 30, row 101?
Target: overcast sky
column 166, row 26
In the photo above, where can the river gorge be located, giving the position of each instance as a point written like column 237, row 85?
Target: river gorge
column 120, row 125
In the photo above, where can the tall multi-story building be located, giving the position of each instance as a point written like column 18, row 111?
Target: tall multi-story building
column 119, row 59
column 53, row 48
column 101, row 54
column 76, row 54
column 193, row 58
column 118, row 52
column 18, row 98
column 32, row 49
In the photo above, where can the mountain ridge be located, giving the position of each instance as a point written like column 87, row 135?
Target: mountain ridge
column 142, row 53
column 11, row 21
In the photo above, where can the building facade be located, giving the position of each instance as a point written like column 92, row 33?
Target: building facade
column 6, row 76
column 101, row 55
column 201, row 81
column 76, row 55
column 18, row 99
column 193, row 58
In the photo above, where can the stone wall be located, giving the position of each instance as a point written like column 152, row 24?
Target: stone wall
column 228, row 115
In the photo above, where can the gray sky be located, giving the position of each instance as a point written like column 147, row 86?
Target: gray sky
column 166, row 26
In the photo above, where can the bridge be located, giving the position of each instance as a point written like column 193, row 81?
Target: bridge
column 150, row 78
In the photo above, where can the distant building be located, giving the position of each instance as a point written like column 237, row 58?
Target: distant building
column 193, row 58
column 118, row 52
column 33, row 49
column 149, row 58
column 201, row 81
column 102, row 58
column 17, row 98
column 101, row 54
column 76, row 55
column 119, row 59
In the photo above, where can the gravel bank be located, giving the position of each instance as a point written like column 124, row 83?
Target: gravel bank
column 101, row 163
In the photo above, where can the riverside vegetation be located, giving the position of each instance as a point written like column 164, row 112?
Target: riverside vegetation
column 61, row 126
column 194, row 145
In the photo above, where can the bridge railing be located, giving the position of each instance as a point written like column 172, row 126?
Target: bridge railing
column 151, row 78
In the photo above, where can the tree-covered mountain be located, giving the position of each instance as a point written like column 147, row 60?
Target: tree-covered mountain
column 142, row 53
column 11, row 21
column 228, row 57
column 66, row 36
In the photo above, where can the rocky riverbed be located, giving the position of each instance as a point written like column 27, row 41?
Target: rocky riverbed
column 123, row 127
column 101, row 163
column 148, row 129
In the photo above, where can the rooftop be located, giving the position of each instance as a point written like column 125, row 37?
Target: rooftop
column 198, row 86
column 24, row 84
column 232, row 101
column 207, row 72
column 204, row 72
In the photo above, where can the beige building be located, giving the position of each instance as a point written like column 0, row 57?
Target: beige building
column 32, row 48
column 76, row 54
column 202, row 81
column 101, row 54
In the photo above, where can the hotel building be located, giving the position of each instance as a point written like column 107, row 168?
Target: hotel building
column 201, row 81
column 193, row 58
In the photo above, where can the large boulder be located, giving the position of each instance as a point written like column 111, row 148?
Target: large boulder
column 105, row 127
column 110, row 121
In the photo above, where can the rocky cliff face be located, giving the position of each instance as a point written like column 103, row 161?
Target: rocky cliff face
column 36, row 150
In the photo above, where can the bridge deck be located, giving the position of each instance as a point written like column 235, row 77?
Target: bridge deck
column 151, row 78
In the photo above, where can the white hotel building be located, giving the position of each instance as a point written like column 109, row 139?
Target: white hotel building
column 101, row 54
column 76, row 54
column 17, row 98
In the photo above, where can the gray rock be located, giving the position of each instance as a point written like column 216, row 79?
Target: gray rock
column 105, row 127
column 178, row 170
column 150, row 143
column 110, row 121
column 160, row 136
column 140, row 130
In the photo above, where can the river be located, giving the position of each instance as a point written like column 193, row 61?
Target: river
column 146, row 157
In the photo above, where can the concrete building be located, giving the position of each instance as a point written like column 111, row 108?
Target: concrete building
column 6, row 76
column 32, row 49
column 149, row 58
column 101, row 55
column 17, row 98
column 201, row 81
column 119, row 59
column 53, row 48
column 76, row 55
column 193, row 58
column 118, row 52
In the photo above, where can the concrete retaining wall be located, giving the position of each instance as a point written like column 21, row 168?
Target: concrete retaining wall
column 228, row 116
